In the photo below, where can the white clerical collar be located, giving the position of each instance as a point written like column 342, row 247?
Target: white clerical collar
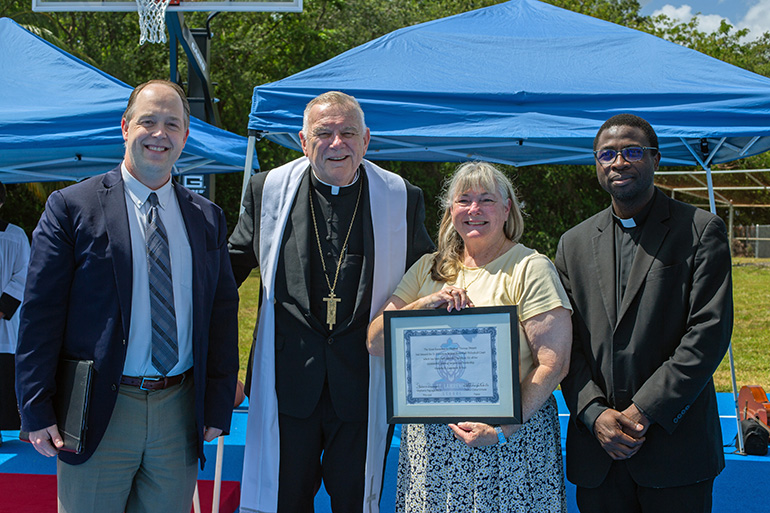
column 336, row 188
column 627, row 223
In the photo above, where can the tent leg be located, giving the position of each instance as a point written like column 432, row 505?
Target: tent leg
column 252, row 142
column 731, row 227
column 218, row 474
column 712, row 205
column 196, row 500
column 735, row 399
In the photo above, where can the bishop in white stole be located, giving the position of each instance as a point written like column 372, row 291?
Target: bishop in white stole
column 387, row 199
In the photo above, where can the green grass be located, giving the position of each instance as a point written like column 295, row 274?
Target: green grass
column 751, row 330
column 247, row 317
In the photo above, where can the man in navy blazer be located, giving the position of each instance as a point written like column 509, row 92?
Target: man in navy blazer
column 88, row 297
column 649, row 281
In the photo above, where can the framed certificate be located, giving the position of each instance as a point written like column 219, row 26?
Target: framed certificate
column 447, row 367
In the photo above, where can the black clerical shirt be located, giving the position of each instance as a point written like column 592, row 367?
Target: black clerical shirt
column 333, row 217
column 628, row 232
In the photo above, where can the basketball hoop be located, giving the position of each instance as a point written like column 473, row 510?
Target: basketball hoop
column 152, row 20
column 152, row 13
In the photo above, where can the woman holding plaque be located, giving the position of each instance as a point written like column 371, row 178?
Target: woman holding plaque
column 470, row 466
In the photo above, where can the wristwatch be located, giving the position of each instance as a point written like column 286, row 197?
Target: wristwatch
column 500, row 435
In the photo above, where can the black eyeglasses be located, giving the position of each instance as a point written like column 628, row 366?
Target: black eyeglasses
column 630, row 154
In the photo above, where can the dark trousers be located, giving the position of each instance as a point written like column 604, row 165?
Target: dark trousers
column 321, row 447
column 9, row 409
column 619, row 492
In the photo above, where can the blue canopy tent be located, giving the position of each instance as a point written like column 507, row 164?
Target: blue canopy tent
column 526, row 83
column 60, row 118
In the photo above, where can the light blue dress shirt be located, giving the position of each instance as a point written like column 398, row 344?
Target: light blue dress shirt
column 138, row 357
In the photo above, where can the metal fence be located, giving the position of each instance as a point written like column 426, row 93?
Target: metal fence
column 752, row 240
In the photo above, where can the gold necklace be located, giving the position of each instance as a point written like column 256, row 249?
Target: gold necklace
column 483, row 267
column 332, row 300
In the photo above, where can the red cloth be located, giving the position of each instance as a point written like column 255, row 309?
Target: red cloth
column 36, row 493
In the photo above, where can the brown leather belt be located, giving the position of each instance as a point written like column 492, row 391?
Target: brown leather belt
column 153, row 383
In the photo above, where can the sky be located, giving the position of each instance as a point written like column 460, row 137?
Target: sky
column 751, row 14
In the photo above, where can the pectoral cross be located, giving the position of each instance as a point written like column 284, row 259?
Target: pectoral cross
column 331, row 309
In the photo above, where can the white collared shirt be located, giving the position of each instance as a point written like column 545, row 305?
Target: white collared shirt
column 138, row 357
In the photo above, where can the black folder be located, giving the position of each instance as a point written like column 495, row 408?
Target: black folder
column 70, row 402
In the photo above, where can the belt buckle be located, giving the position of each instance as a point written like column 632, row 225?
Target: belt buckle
column 142, row 387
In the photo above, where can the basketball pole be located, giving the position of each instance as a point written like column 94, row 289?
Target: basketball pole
column 200, row 89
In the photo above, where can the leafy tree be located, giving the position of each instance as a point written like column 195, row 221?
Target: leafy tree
column 727, row 44
column 21, row 207
column 249, row 49
column 622, row 12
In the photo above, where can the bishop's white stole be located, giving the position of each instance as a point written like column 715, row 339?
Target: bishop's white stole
column 387, row 200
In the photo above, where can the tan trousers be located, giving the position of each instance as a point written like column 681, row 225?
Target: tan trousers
column 147, row 461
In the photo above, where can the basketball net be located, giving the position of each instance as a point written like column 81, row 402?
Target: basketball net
column 152, row 20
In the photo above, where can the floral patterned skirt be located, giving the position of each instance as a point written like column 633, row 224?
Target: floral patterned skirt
column 438, row 473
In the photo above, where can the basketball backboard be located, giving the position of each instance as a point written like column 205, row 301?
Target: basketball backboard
column 184, row 6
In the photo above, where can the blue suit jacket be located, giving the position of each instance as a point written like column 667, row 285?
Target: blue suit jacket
column 77, row 304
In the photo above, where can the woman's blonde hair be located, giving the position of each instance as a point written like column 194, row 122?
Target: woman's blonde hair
column 479, row 176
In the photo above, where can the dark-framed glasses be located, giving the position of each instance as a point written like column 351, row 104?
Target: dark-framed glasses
column 630, row 154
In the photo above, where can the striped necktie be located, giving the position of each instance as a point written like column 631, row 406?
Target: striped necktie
column 165, row 352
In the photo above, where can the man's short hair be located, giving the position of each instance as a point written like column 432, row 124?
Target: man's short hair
column 336, row 98
column 129, row 112
column 2, row 193
column 630, row 120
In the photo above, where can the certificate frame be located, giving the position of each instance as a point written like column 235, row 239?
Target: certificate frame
column 419, row 346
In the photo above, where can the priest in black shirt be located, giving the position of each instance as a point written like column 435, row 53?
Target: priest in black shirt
column 649, row 281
